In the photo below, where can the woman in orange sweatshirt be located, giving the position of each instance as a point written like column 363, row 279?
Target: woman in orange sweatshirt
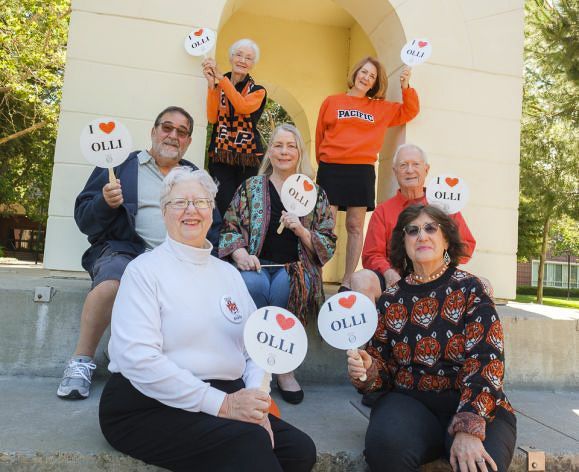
column 349, row 134
column 234, row 105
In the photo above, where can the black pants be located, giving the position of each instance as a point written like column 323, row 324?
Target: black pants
column 179, row 440
column 407, row 430
column 229, row 178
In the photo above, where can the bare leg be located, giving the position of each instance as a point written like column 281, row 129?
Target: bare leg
column 288, row 382
column 96, row 316
column 365, row 281
column 355, row 228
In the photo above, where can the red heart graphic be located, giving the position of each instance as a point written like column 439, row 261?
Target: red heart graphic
column 107, row 127
column 347, row 302
column 422, row 43
column 308, row 186
column 284, row 323
column 451, row 182
column 199, row 32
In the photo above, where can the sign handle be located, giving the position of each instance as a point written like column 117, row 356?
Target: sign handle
column 364, row 377
column 112, row 178
column 264, row 387
column 280, row 228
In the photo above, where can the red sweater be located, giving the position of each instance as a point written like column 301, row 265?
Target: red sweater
column 351, row 130
column 377, row 243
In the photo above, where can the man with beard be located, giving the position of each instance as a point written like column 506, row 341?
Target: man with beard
column 122, row 220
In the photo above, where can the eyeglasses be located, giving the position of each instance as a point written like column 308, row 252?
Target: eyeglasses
column 414, row 230
column 182, row 203
column 241, row 57
column 168, row 127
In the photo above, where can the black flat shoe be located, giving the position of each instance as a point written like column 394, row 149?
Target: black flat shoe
column 291, row 397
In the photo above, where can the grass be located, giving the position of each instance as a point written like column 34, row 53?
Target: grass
column 560, row 302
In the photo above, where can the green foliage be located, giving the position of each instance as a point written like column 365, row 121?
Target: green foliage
column 273, row 114
column 549, row 168
column 548, row 291
column 565, row 236
column 33, row 37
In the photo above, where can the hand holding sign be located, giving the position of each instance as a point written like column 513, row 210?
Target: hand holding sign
column 275, row 340
column 416, row 51
column 347, row 320
column 105, row 142
column 449, row 192
column 298, row 196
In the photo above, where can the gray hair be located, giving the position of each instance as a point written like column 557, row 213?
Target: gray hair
column 404, row 147
column 303, row 166
column 242, row 43
column 186, row 174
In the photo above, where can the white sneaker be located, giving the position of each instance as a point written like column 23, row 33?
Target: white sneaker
column 75, row 383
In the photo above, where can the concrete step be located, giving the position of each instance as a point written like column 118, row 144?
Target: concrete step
column 42, row 432
column 38, row 336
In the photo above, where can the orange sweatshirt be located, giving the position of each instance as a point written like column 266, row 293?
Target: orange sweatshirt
column 351, row 130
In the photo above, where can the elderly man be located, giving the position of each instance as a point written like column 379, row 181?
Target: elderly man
column 122, row 220
column 410, row 167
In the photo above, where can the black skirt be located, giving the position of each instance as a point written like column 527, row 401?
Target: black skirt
column 348, row 185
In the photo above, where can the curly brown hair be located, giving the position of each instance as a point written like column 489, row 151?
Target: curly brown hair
column 398, row 257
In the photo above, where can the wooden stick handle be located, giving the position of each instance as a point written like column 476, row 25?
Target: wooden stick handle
column 280, row 228
column 364, row 377
column 112, row 178
column 265, row 387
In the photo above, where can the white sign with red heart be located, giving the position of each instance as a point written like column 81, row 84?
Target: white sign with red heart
column 416, row 51
column 347, row 320
column 200, row 41
column 105, row 142
column 299, row 194
column 275, row 339
column 448, row 192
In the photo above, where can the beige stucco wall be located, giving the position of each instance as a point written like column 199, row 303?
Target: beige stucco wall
column 125, row 59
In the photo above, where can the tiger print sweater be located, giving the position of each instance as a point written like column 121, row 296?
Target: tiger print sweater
column 441, row 335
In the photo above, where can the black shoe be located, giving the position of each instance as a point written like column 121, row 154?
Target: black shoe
column 343, row 289
column 291, row 397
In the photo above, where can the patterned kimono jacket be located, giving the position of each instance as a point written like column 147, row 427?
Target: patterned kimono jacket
column 245, row 225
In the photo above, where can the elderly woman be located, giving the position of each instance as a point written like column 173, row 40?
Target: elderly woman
column 234, row 105
column 183, row 394
column 438, row 358
column 349, row 134
column 294, row 258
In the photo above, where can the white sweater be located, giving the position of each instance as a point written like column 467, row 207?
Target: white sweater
column 172, row 328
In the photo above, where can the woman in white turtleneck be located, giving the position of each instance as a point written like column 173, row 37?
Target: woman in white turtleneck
column 183, row 394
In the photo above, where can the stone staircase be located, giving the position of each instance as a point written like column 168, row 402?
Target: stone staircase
column 39, row 313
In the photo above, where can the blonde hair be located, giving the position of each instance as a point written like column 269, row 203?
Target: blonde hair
column 303, row 166
column 378, row 91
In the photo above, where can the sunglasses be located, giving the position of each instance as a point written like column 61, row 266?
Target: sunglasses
column 168, row 128
column 182, row 203
column 414, row 230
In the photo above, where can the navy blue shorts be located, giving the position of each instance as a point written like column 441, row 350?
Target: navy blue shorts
column 381, row 279
column 109, row 266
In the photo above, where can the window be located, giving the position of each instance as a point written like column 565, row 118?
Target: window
column 555, row 274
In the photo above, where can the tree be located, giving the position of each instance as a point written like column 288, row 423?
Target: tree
column 273, row 115
column 549, row 151
column 33, row 36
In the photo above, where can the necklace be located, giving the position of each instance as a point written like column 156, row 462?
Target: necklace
column 427, row 278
